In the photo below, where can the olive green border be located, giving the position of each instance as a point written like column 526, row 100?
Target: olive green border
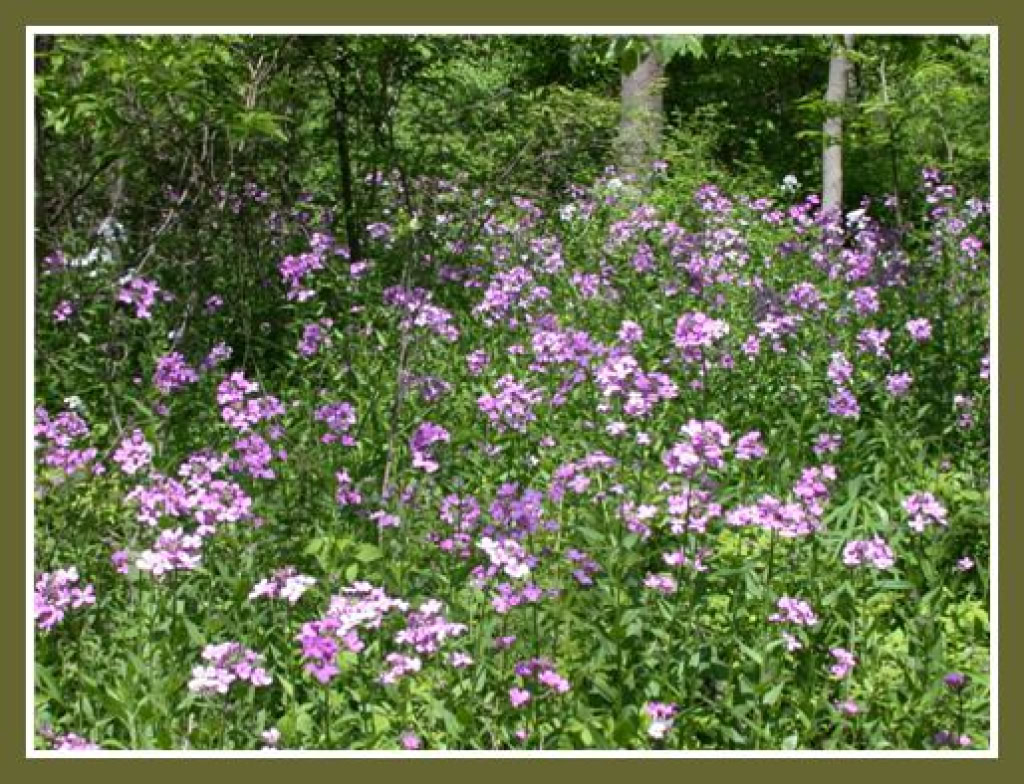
column 16, row 15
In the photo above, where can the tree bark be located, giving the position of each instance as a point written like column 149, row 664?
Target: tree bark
column 642, row 114
column 835, row 97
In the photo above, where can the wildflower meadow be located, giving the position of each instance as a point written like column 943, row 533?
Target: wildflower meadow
column 647, row 461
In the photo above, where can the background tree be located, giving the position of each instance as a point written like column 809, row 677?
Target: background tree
column 835, row 97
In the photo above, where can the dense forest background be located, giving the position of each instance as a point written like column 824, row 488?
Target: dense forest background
column 123, row 120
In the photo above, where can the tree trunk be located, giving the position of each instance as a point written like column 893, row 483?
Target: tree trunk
column 835, row 97
column 642, row 114
column 341, row 112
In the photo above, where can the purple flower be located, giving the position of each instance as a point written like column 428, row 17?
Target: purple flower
column 314, row 336
column 512, row 406
column 844, row 404
column 662, row 718
column 421, row 445
column 340, row 418
column 865, row 300
column 173, row 372
column 920, row 329
column 630, row 332
column 228, row 662
column 173, row 551
column 847, row 707
column 64, row 310
column 749, row 447
column 57, row 435
column 56, row 593
column 955, row 681
column 518, row 697
column 873, row 341
column 476, row 361
column 399, row 666
column 844, row 662
column 924, row 510
column 139, row 293
column 874, row 551
column 67, row 742
column 971, row 246
column 133, row 453
column 271, row 738
column 965, row 564
column 410, row 740
column 662, row 583
column 795, row 611
column 703, row 448
column 898, row 384
column 840, row 371
column 286, row 583
column 695, row 331
column 827, row 443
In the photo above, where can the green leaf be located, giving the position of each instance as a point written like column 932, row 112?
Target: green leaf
column 367, row 553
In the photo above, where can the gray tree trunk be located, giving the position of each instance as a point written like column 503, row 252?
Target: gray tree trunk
column 832, row 157
column 642, row 114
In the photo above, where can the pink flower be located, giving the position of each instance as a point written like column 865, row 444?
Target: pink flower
column 518, row 697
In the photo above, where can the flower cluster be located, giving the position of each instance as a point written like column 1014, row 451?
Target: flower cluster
column 795, row 519
column 874, row 551
column 622, row 377
column 508, row 291
column 57, row 436
column 703, row 448
column 575, row 476
column 462, row 516
column 399, row 666
column 512, row 406
column 228, row 662
column 421, row 443
column 506, row 555
column 426, row 629
column 662, row 583
column 133, row 453
column 544, row 673
column 898, row 384
column 64, row 310
column 239, row 409
column 207, row 500
column 173, row 372
column 844, row 662
column 920, row 329
column 286, row 583
column 314, row 336
column 67, row 741
column 174, row 550
column 346, row 494
column 420, row 312
column 795, row 611
column 476, row 361
column 924, row 510
column 339, row 418
column 873, row 341
column 662, row 718
column 139, row 293
column 56, row 593
column 358, row 606
column 695, row 332
column 295, row 269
